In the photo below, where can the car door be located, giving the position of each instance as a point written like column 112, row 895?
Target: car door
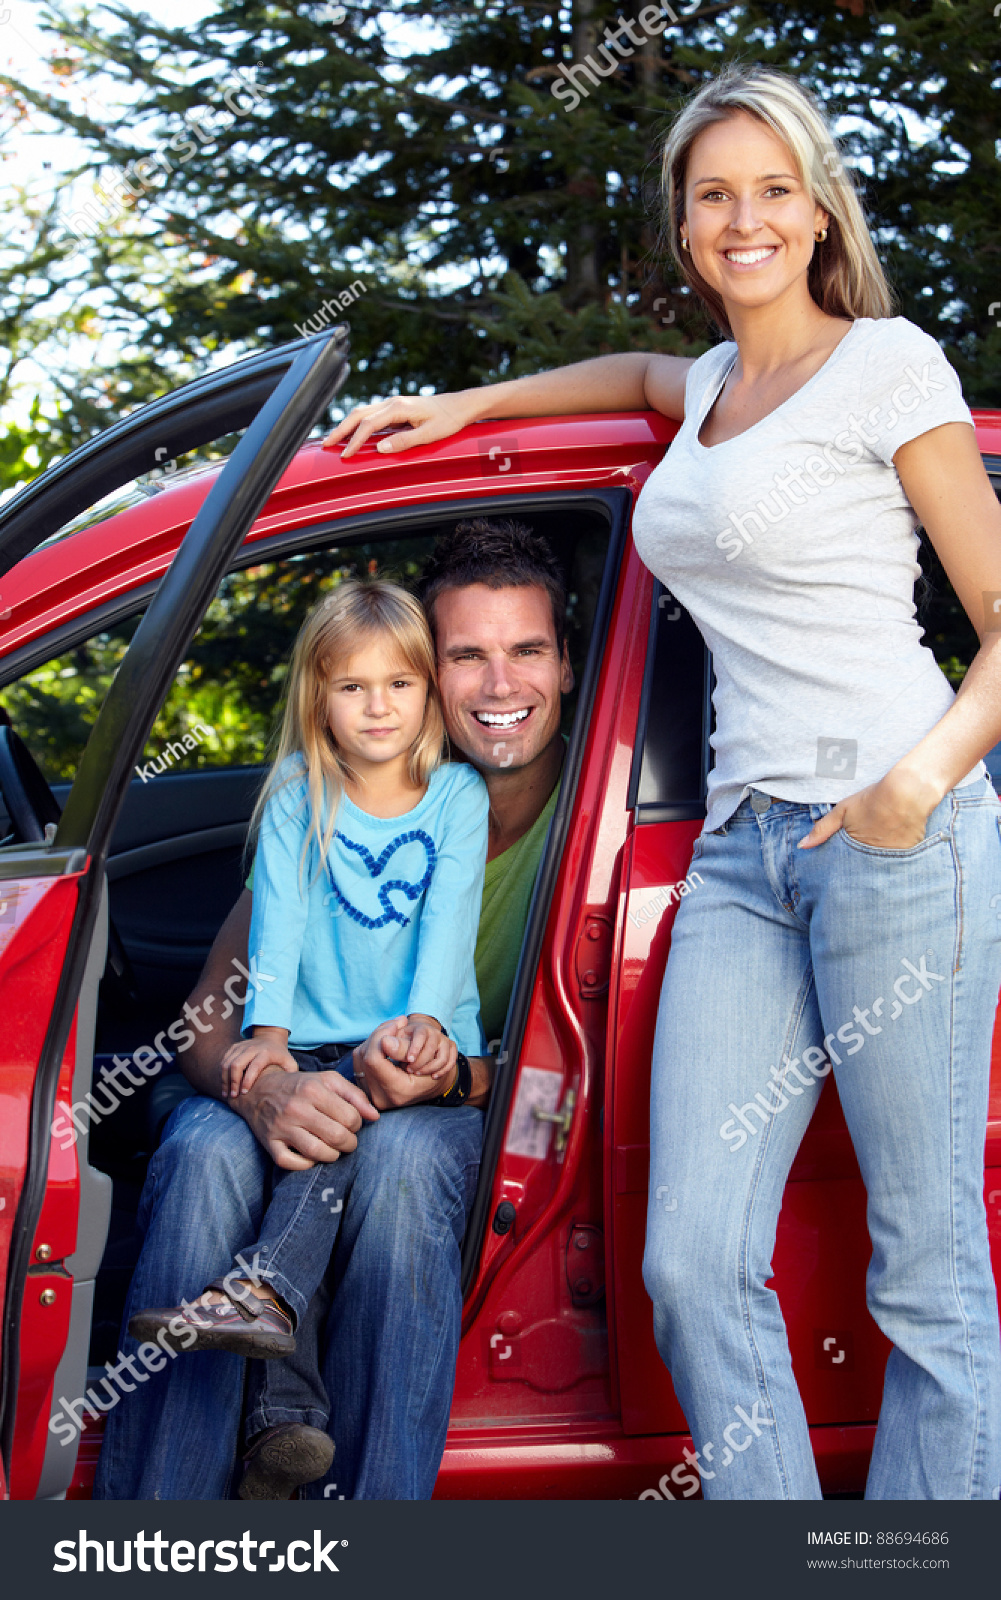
column 53, row 893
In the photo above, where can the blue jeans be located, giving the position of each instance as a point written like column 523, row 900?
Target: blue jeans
column 886, row 964
column 293, row 1247
column 391, row 1331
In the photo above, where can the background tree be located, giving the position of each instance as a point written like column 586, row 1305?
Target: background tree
column 422, row 151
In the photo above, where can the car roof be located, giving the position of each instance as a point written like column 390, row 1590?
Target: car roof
column 130, row 549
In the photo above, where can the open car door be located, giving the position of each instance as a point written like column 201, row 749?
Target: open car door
column 53, row 896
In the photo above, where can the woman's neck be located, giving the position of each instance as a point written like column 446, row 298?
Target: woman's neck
column 774, row 338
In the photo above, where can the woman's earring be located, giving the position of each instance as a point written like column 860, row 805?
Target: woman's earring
column 821, row 236
column 685, row 245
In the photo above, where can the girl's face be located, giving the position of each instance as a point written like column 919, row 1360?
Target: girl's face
column 375, row 705
column 749, row 220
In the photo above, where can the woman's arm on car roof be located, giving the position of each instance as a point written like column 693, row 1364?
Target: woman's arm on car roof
column 631, row 381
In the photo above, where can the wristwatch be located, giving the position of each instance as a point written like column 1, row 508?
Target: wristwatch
column 461, row 1089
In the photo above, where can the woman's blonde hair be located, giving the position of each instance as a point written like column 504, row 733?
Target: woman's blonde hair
column 845, row 277
column 353, row 615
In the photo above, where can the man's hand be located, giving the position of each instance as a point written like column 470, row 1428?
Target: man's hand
column 304, row 1118
column 243, row 1063
column 387, row 1084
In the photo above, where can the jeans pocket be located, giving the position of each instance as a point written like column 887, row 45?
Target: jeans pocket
column 884, row 852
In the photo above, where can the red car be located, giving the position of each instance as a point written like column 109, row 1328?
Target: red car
column 560, row 1390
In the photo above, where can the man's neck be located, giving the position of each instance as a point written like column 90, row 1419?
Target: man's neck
column 518, row 798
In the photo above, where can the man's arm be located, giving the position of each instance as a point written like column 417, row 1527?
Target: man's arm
column 484, row 1068
column 208, row 1001
column 299, row 1118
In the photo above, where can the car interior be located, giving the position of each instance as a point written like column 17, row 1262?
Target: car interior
column 180, row 855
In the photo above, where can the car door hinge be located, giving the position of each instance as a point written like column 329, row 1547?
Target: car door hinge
column 586, row 1264
column 594, row 956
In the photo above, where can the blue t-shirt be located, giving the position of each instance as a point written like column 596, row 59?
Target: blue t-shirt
column 386, row 928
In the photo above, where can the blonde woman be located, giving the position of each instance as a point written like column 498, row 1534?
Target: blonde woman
column 851, row 851
column 367, row 888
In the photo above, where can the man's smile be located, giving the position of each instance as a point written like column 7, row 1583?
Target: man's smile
column 502, row 719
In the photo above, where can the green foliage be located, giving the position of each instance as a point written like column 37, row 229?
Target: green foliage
column 422, row 150
column 232, row 680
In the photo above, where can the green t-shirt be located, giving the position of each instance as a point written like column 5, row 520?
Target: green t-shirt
column 507, row 893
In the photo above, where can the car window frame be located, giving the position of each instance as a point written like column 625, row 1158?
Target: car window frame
column 620, row 503
column 615, row 504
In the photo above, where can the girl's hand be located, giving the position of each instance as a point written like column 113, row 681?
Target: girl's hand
column 890, row 815
column 380, row 1069
column 429, row 1054
column 244, row 1062
column 431, row 417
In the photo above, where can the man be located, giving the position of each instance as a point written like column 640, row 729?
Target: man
column 390, row 1326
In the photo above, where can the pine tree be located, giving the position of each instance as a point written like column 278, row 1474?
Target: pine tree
column 494, row 229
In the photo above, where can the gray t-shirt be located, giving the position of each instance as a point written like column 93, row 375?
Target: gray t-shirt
column 793, row 548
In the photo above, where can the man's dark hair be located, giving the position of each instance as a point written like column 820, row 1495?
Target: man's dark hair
column 502, row 554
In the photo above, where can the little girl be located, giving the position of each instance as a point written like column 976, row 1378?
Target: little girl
column 367, row 885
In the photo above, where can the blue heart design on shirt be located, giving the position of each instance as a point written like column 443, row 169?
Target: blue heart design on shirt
column 376, row 866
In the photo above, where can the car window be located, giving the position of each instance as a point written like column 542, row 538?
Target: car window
column 221, row 709
column 169, row 473
column 672, row 758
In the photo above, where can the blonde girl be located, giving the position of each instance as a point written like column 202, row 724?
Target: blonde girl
column 368, row 877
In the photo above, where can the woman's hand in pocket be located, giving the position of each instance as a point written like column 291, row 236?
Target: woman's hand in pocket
column 889, row 815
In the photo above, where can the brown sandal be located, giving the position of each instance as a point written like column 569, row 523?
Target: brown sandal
column 248, row 1325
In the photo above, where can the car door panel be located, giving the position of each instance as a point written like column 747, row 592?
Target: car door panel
column 33, row 947
column 66, row 1254
column 175, row 869
column 39, row 1055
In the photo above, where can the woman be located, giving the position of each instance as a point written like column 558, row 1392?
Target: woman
column 850, row 853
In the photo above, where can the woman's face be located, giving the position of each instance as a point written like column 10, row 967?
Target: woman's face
column 749, row 219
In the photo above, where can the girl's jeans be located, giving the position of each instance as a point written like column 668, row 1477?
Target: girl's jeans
column 291, row 1255
column 887, row 962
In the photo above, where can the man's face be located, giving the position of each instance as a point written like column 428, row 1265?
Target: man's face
column 500, row 673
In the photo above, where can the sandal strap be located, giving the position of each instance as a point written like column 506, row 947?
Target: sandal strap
column 243, row 1302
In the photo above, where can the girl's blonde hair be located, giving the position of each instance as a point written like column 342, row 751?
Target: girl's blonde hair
column 845, row 277
column 354, row 614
